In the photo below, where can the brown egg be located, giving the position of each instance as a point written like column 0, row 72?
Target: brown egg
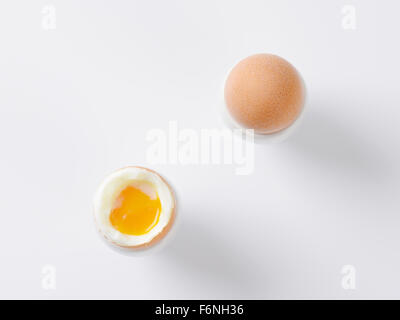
column 264, row 92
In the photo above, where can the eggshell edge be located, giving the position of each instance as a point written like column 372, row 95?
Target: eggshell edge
column 160, row 235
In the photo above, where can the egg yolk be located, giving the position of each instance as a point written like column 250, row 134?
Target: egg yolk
column 135, row 212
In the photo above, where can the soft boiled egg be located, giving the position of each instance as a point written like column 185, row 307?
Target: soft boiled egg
column 134, row 207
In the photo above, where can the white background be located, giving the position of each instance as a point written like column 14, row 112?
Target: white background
column 77, row 102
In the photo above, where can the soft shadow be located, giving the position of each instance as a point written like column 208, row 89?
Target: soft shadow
column 334, row 145
column 208, row 257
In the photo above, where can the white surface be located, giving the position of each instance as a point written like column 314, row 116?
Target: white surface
column 76, row 103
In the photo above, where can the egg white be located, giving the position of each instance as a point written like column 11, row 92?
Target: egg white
column 110, row 189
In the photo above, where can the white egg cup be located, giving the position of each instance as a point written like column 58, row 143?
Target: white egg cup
column 262, row 138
